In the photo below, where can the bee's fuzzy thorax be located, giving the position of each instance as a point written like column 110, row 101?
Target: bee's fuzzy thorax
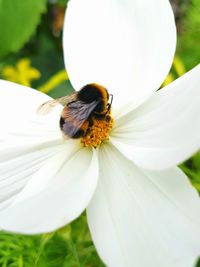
column 94, row 92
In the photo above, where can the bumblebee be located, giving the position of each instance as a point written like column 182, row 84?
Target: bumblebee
column 81, row 109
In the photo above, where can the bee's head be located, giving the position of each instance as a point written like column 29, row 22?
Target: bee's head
column 93, row 92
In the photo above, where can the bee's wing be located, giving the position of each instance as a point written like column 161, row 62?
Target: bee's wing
column 48, row 106
column 75, row 114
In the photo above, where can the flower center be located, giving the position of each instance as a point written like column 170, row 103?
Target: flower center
column 99, row 131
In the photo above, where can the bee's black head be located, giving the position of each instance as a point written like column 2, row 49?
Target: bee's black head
column 93, row 92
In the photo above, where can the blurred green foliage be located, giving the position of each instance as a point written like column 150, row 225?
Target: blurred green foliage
column 70, row 246
column 189, row 38
column 18, row 20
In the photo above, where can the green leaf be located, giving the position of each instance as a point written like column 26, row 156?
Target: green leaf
column 62, row 2
column 18, row 21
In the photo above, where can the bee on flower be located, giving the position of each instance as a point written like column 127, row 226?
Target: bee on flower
column 116, row 159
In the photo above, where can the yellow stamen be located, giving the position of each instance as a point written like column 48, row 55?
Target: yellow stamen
column 98, row 132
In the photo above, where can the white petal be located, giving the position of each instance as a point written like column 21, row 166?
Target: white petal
column 27, row 140
column 143, row 218
column 165, row 130
column 18, row 165
column 124, row 45
column 19, row 120
column 66, row 188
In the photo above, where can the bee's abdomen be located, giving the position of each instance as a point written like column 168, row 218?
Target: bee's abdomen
column 79, row 134
column 70, row 129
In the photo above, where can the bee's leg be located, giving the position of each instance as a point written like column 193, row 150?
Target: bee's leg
column 108, row 108
column 110, row 104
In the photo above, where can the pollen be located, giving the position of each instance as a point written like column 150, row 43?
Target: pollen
column 98, row 132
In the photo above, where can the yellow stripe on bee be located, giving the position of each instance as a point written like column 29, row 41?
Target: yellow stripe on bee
column 104, row 95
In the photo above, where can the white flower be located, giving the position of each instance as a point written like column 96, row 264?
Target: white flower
column 141, row 209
